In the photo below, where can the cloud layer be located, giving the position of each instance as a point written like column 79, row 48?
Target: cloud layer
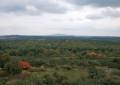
column 105, row 13
column 77, row 17
column 97, row 3
column 30, row 6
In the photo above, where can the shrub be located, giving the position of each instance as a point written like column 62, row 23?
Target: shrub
column 25, row 64
column 13, row 68
column 4, row 58
column 3, row 81
column 60, row 79
column 3, row 73
column 67, row 67
column 92, row 72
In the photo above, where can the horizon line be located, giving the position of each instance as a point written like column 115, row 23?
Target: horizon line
column 60, row 35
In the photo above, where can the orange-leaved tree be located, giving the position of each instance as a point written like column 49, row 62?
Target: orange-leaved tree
column 25, row 64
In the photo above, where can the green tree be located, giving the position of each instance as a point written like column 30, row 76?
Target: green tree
column 4, row 58
column 13, row 68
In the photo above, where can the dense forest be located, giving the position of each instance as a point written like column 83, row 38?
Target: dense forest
column 60, row 61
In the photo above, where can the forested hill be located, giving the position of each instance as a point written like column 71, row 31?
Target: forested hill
column 59, row 37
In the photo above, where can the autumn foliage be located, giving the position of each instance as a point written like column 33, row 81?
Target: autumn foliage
column 25, row 64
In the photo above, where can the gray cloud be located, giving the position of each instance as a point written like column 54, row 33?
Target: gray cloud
column 96, row 3
column 95, row 17
column 10, row 6
column 47, row 6
column 7, row 6
column 107, row 13
column 112, row 13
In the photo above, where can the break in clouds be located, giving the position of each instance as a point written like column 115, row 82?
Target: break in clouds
column 74, row 17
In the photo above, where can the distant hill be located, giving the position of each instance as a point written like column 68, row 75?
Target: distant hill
column 59, row 37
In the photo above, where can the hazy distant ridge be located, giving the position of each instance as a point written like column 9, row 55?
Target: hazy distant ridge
column 59, row 37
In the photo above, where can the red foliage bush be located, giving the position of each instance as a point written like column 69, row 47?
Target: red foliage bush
column 25, row 64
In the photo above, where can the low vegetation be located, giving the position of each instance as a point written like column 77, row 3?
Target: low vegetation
column 59, row 62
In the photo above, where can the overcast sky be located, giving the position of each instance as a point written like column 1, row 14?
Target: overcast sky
column 70, row 17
